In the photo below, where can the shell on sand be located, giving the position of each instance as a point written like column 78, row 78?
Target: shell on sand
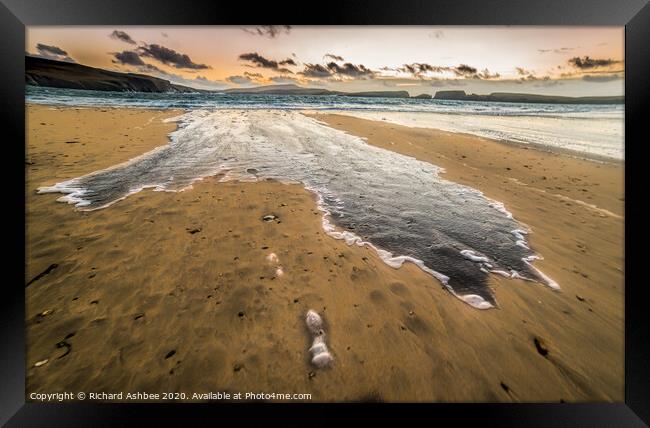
column 322, row 359
column 318, row 346
column 314, row 322
column 320, row 354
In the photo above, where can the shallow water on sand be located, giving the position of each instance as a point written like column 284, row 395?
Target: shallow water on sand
column 370, row 196
column 586, row 129
column 599, row 135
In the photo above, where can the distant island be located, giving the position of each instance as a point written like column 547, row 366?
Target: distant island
column 508, row 97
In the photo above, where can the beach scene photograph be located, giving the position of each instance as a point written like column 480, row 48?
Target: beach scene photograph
column 282, row 213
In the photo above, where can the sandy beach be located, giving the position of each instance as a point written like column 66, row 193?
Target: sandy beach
column 178, row 291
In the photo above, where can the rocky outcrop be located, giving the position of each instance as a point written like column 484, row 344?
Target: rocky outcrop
column 59, row 74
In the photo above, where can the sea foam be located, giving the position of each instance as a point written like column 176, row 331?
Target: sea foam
column 588, row 133
column 395, row 204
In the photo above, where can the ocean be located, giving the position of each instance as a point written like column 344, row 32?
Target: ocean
column 396, row 204
column 589, row 130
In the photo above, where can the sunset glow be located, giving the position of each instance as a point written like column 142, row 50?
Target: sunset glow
column 572, row 61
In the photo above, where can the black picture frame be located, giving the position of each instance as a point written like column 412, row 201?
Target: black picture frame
column 16, row 14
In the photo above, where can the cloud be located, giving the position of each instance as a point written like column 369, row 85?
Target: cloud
column 333, row 57
column 122, row 36
column 588, row 63
column 486, row 75
column 253, row 75
column 333, row 70
column 469, row 72
column 53, row 52
column 464, row 70
column 239, row 80
column 170, row 57
column 150, row 68
column 600, row 77
column 142, row 67
column 350, row 70
column 556, row 50
column 522, row 71
column 259, row 61
column 531, row 77
column 201, row 81
column 422, row 71
column 527, row 78
column 283, row 79
column 419, row 69
column 528, row 75
column 246, row 78
column 127, row 58
column 131, row 58
column 316, row 71
column 270, row 31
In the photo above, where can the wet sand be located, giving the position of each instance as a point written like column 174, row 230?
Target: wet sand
column 173, row 292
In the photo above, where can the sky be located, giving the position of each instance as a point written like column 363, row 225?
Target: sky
column 570, row 61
